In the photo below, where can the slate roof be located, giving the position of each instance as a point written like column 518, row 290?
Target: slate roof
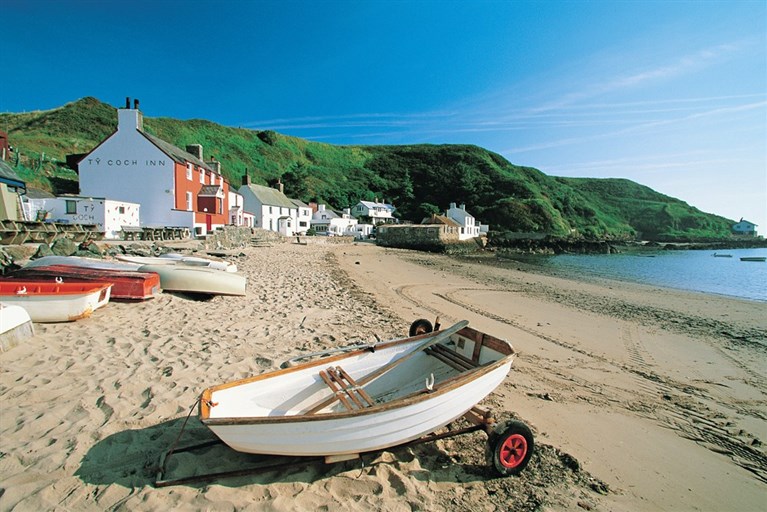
column 269, row 196
column 9, row 176
column 209, row 190
column 177, row 154
column 441, row 219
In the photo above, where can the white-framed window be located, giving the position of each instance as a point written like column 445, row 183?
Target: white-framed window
column 71, row 206
column 189, row 171
column 202, row 176
column 189, row 201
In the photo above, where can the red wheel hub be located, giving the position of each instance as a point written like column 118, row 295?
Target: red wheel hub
column 513, row 451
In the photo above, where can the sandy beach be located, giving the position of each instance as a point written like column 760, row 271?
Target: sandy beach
column 640, row 398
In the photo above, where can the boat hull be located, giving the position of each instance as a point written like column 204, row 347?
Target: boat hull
column 188, row 279
column 178, row 259
column 272, row 413
column 15, row 326
column 55, row 302
column 127, row 285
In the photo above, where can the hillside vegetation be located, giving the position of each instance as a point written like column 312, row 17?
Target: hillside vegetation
column 417, row 179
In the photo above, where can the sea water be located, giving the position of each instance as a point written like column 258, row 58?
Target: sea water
column 696, row 270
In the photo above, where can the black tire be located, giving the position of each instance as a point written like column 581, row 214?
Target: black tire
column 510, row 447
column 420, row 326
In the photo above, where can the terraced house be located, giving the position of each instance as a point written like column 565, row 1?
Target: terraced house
column 175, row 187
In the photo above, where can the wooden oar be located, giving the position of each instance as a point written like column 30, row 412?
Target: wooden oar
column 441, row 336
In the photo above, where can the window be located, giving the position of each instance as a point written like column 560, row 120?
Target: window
column 189, row 171
column 71, row 207
column 120, row 209
column 189, row 201
column 202, row 176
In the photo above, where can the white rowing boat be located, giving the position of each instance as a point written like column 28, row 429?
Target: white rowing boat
column 15, row 326
column 198, row 280
column 178, row 259
column 55, row 301
column 364, row 400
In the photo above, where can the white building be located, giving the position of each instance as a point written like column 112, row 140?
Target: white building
column 374, row 212
column 469, row 227
column 108, row 215
column 304, row 217
column 270, row 207
column 327, row 222
column 744, row 227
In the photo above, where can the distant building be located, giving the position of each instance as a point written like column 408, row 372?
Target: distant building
column 271, row 208
column 108, row 215
column 469, row 227
column 11, row 188
column 744, row 228
column 373, row 212
column 327, row 222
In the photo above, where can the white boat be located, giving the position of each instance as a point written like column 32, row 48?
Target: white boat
column 77, row 261
column 178, row 259
column 364, row 400
column 15, row 326
column 198, row 280
column 55, row 302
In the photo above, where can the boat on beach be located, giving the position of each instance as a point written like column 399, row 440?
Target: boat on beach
column 197, row 280
column 127, row 285
column 55, row 301
column 178, row 259
column 15, row 326
column 78, row 261
column 368, row 399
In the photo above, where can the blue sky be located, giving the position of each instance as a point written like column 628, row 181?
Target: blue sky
column 672, row 95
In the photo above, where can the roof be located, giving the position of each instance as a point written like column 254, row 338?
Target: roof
column 371, row 204
column 209, row 190
column 269, row 196
column 300, row 204
column 746, row 221
column 9, row 176
column 177, row 154
column 441, row 219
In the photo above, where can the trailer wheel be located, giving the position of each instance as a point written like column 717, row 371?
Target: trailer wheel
column 510, row 447
column 420, row 326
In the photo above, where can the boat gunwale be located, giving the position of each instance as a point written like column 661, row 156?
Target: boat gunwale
column 443, row 387
column 53, row 289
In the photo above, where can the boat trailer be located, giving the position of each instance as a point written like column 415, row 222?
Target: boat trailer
column 510, row 446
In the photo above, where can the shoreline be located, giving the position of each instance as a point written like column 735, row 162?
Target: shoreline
column 630, row 412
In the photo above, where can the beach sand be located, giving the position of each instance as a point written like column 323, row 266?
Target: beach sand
column 640, row 398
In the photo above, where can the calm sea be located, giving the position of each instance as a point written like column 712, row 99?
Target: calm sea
column 697, row 270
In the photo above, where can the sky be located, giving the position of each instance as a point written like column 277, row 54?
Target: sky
column 669, row 94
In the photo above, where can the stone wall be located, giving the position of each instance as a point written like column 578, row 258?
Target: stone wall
column 423, row 237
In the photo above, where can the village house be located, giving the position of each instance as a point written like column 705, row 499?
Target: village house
column 271, row 208
column 744, row 227
column 304, row 218
column 11, row 188
column 327, row 222
column 109, row 216
column 174, row 187
column 373, row 212
column 469, row 227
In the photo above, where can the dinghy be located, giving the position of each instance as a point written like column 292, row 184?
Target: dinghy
column 178, row 259
column 77, row 261
column 55, row 301
column 197, row 280
column 15, row 326
column 367, row 399
column 127, row 285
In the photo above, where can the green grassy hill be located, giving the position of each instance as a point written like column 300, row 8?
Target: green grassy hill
column 417, row 179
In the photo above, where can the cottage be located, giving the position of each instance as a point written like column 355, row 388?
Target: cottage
column 174, row 187
column 304, row 217
column 469, row 227
column 270, row 207
column 373, row 212
column 744, row 227
column 327, row 222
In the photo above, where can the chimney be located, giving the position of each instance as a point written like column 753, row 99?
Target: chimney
column 215, row 165
column 321, row 208
column 452, row 205
column 130, row 119
column 127, row 102
column 280, row 186
column 246, row 179
column 195, row 149
column 463, row 206
column 135, row 104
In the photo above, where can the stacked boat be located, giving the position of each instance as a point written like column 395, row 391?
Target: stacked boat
column 67, row 288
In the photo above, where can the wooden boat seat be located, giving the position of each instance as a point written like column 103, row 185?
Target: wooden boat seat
column 345, row 389
column 451, row 358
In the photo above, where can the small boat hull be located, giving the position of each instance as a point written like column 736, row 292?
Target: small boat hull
column 277, row 413
column 15, row 326
column 55, row 302
column 198, row 280
column 754, row 258
column 127, row 285
column 178, row 259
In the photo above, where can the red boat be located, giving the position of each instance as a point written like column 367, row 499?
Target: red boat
column 126, row 285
